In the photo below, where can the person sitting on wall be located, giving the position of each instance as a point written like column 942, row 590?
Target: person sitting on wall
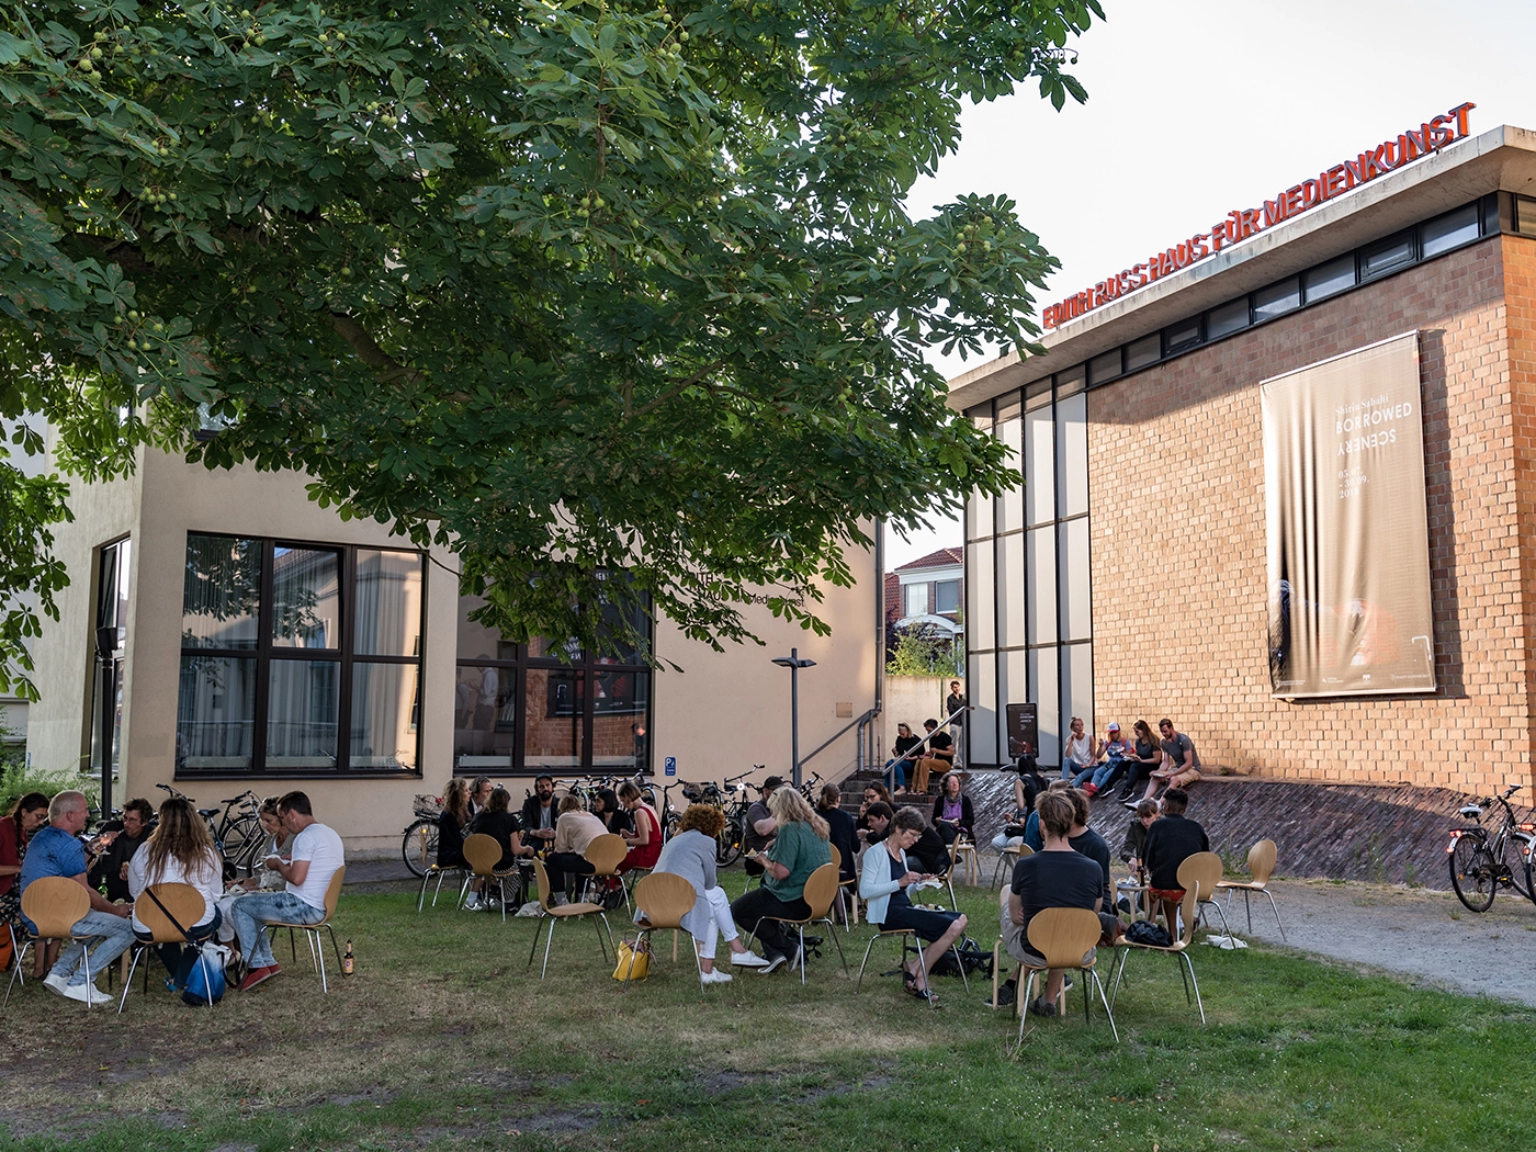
column 897, row 766
column 953, row 815
column 1054, row 877
column 1181, row 765
column 757, row 836
column 888, row 873
column 1105, row 775
column 1081, row 754
column 1140, row 759
column 540, row 814
column 317, row 856
column 111, row 867
column 575, row 829
column 104, row 932
column 497, row 822
column 939, row 756
column 1171, row 840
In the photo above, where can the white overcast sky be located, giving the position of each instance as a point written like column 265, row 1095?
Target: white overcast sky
column 1196, row 107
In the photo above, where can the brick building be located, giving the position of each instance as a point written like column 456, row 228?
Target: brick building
column 1127, row 580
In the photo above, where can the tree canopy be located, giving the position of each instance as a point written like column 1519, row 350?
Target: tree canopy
column 570, row 288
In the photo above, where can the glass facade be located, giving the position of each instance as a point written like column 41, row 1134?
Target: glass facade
column 548, row 705
column 299, row 659
column 1029, row 621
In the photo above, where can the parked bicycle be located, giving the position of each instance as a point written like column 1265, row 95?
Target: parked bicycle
column 419, row 845
column 236, row 831
column 1483, row 859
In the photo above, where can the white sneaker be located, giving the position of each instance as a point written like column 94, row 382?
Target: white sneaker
column 56, row 984
column 714, row 977
column 559, row 900
column 472, row 905
column 87, row 994
column 748, row 960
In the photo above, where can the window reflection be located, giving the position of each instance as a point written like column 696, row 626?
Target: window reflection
column 306, row 601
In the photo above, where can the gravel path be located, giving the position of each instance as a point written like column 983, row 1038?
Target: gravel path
column 1419, row 933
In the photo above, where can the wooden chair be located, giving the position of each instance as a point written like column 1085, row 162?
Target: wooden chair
column 1261, row 865
column 482, row 853
column 183, row 902
column 312, row 931
column 54, row 904
column 1203, row 871
column 1062, row 937
column 1178, row 949
column 563, row 912
column 605, row 854
column 998, row 951
column 820, row 890
column 850, row 908
column 963, row 849
column 438, row 869
column 1013, row 853
column 663, row 901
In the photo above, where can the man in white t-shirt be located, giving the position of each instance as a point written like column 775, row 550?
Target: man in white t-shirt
column 317, row 855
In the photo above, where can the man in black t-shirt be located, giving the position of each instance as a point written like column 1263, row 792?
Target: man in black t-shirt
column 1055, row 877
column 1087, row 842
column 1171, row 840
column 761, row 827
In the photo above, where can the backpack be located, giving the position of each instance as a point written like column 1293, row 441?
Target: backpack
column 972, row 956
column 1146, row 932
column 198, row 991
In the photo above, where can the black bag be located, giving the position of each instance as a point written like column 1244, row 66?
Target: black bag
column 1146, row 932
column 972, row 956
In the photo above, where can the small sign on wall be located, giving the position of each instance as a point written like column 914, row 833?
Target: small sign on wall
column 671, row 765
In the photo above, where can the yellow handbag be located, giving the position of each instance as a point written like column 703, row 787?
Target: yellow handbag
column 634, row 960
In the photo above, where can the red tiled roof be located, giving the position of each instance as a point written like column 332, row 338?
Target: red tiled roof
column 940, row 559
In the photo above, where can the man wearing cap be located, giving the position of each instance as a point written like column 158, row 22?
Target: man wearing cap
column 1106, row 774
column 761, row 827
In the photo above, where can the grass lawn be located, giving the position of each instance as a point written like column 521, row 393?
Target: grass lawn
column 444, row 1040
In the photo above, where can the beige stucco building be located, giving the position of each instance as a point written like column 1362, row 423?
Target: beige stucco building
column 223, row 632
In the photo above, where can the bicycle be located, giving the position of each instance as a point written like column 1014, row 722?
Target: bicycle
column 236, row 832
column 1482, row 861
column 418, row 847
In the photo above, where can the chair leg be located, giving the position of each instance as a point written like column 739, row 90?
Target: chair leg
column 422, row 899
column 801, row 929
column 870, row 948
column 548, row 941
column 314, row 938
column 960, row 964
column 1099, row 984
column 1125, row 954
column 1024, row 991
column 1225, row 930
column 611, row 946
column 21, row 955
column 438, row 890
column 1183, row 978
column 537, row 932
column 922, row 964
column 634, row 957
column 1190, row 964
column 1276, row 910
column 138, row 950
column 832, row 933
column 293, row 946
column 335, row 951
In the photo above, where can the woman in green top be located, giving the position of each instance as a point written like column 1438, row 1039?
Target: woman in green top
column 799, row 849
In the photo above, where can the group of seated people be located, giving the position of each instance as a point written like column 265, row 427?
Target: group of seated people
column 919, row 756
column 558, row 831
column 1070, row 868
column 1096, row 765
column 41, row 838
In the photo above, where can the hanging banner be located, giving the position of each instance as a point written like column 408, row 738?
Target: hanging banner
column 1349, row 596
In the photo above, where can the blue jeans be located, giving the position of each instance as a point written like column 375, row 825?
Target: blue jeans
column 251, row 914
column 110, row 936
column 1107, row 774
column 179, row 958
column 899, row 780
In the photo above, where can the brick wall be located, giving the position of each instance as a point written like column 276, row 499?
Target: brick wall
column 1177, row 483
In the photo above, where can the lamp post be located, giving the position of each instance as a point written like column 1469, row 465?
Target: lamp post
column 794, row 663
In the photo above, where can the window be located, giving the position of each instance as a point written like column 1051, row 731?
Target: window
column 1445, row 232
column 299, row 659
column 1277, row 299
column 946, row 597
column 113, row 565
column 1393, row 252
column 916, row 600
column 1147, row 350
column 1104, row 367
column 548, row 705
column 1331, row 278
column 1227, row 319
column 1182, row 336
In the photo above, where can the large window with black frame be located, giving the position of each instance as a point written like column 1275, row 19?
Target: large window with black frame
column 1029, row 626
column 299, row 659
column 549, row 705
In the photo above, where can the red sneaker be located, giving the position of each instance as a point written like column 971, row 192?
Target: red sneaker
column 1091, row 789
column 256, row 975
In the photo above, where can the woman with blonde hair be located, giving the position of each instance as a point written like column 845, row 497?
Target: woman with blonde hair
column 179, row 851
column 799, row 849
column 690, row 853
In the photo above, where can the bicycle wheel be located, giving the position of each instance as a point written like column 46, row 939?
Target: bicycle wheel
column 419, row 846
column 1473, row 872
column 728, row 844
column 242, row 840
column 1516, row 860
column 1528, row 866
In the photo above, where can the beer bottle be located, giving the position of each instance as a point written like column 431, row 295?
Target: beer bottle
column 346, row 960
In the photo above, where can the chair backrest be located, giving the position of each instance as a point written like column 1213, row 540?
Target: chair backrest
column 1203, row 871
column 1192, row 897
column 821, row 890
column 665, row 899
column 184, row 902
column 1261, row 861
column 1064, row 935
column 54, row 903
column 1025, row 850
column 333, row 891
column 482, row 853
column 1002, row 895
column 606, row 853
column 837, row 856
column 541, row 875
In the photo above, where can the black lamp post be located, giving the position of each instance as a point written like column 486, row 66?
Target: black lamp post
column 794, row 663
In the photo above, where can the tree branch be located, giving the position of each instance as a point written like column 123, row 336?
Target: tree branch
column 368, row 351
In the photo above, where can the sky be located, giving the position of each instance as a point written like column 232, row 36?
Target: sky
column 1196, row 107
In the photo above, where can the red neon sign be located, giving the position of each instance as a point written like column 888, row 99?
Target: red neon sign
column 1240, row 224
